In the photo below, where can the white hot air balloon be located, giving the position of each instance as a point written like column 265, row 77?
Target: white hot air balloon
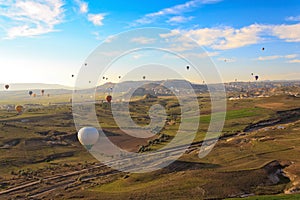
column 88, row 136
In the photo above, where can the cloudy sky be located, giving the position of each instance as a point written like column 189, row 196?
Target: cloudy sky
column 48, row 40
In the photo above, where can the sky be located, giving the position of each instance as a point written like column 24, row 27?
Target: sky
column 46, row 41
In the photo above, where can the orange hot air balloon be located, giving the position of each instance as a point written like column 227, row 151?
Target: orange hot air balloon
column 6, row 86
column 19, row 109
column 108, row 98
column 34, row 95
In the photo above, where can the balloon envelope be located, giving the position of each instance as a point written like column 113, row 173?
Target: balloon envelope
column 19, row 108
column 108, row 98
column 6, row 86
column 88, row 136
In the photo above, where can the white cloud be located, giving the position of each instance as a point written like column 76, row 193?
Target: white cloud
column 110, row 53
column 201, row 55
column 212, row 54
column 26, row 18
column 143, row 40
column 175, row 10
column 294, row 61
column 269, row 57
column 178, row 41
column 227, row 37
column 179, row 45
column 6, row 2
column 83, row 6
column 179, row 19
column 274, row 57
column 293, row 18
column 27, row 31
column 289, row 33
column 290, row 56
column 110, row 39
column 96, row 19
column 222, row 38
column 97, row 35
column 172, row 33
column 137, row 56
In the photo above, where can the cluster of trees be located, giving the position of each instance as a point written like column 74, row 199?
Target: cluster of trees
column 162, row 138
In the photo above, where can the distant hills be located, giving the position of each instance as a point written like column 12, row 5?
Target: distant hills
column 146, row 87
column 35, row 86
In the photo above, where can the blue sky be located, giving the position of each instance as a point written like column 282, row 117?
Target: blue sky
column 48, row 40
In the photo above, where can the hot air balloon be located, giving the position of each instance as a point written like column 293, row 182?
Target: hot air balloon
column 144, row 77
column 263, row 48
column 119, row 77
column 72, row 75
column 187, row 67
column 103, row 77
column 6, row 87
column 251, row 74
column 30, row 93
column 108, row 98
column 88, row 136
column 85, row 64
column 48, row 95
column 42, row 91
column 256, row 77
column 34, row 95
column 19, row 109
